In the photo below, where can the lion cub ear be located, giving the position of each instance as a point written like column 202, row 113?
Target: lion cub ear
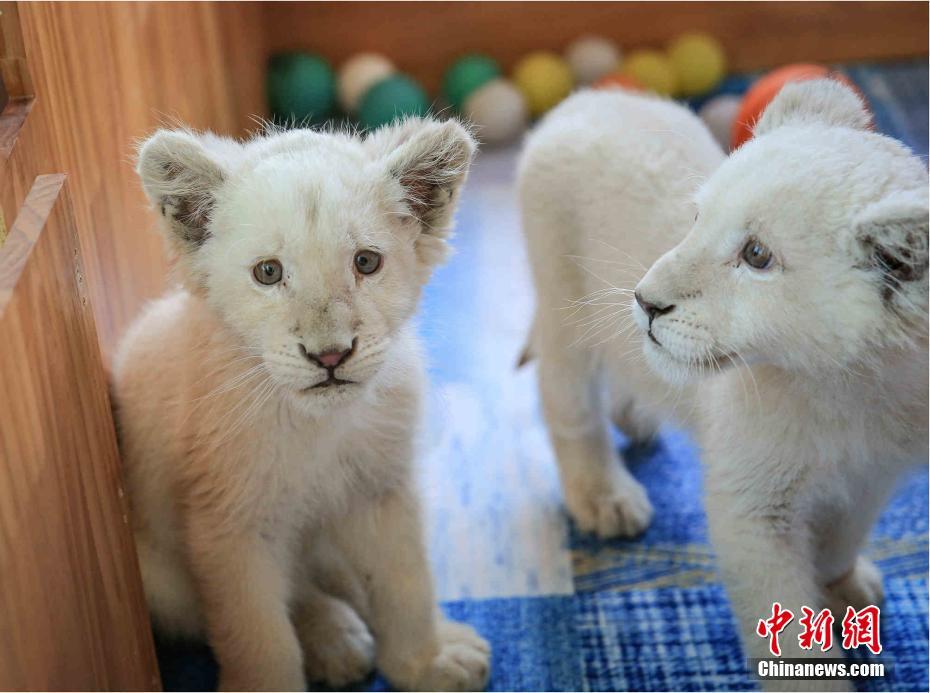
column 429, row 160
column 893, row 235
column 823, row 101
column 180, row 178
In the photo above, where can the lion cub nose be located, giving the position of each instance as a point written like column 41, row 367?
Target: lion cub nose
column 330, row 358
column 652, row 310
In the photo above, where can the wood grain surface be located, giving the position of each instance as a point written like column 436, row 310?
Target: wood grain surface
column 104, row 75
column 72, row 612
column 422, row 38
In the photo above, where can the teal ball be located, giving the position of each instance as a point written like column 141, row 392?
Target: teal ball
column 392, row 98
column 466, row 75
column 301, row 88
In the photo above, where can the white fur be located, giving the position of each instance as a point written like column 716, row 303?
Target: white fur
column 277, row 519
column 606, row 183
column 818, row 396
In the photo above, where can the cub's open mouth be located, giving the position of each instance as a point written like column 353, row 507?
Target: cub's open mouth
column 331, row 381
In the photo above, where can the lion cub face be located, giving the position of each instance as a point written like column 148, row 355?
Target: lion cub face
column 312, row 247
column 809, row 249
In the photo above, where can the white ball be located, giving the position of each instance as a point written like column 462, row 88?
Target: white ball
column 718, row 115
column 592, row 57
column 498, row 111
column 358, row 74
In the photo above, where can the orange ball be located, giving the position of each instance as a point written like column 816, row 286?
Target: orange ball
column 619, row 80
column 767, row 87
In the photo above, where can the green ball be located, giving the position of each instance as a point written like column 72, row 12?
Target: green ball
column 300, row 87
column 391, row 98
column 465, row 75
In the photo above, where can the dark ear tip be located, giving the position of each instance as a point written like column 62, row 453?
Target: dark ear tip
column 179, row 177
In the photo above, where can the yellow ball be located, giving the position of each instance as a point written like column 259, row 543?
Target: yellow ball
column 653, row 70
column 698, row 61
column 545, row 79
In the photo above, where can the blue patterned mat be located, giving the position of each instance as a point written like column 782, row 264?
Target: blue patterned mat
column 623, row 615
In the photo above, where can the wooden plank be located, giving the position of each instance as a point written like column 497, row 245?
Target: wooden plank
column 12, row 119
column 106, row 75
column 422, row 38
column 72, row 611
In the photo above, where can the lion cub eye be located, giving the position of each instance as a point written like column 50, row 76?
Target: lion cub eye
column 268, row 272
column 367, row 261
column 757, row 255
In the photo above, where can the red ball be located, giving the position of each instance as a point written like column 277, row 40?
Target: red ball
column 767, row 87
column 618, row 80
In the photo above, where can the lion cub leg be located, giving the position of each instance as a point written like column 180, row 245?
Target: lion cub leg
column 637, row 425
column 245, row 590
column 859, row 588
column 338, row 649
column 765, row 551
column 416, row 647
column 850, row 578
column 600, row 493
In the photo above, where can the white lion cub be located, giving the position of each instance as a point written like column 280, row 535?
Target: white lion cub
column 807, row 261
column 801, row 285
column 268, row 409
column 605, row 188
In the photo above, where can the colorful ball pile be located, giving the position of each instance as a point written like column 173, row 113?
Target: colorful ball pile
column 360, row 73
column 466, row 75
column 371, row 89
column 692, row 64
column 303, row 87
column 474, row 87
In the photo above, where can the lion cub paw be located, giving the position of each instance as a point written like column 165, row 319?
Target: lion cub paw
column 621, row 511
column 859, row 588
column 462, row 663
column 338, row 648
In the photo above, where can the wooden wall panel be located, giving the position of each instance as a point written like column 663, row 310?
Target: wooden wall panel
column 422, row 38
column 98, row 76
column 105, row 75
column 72, row 612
